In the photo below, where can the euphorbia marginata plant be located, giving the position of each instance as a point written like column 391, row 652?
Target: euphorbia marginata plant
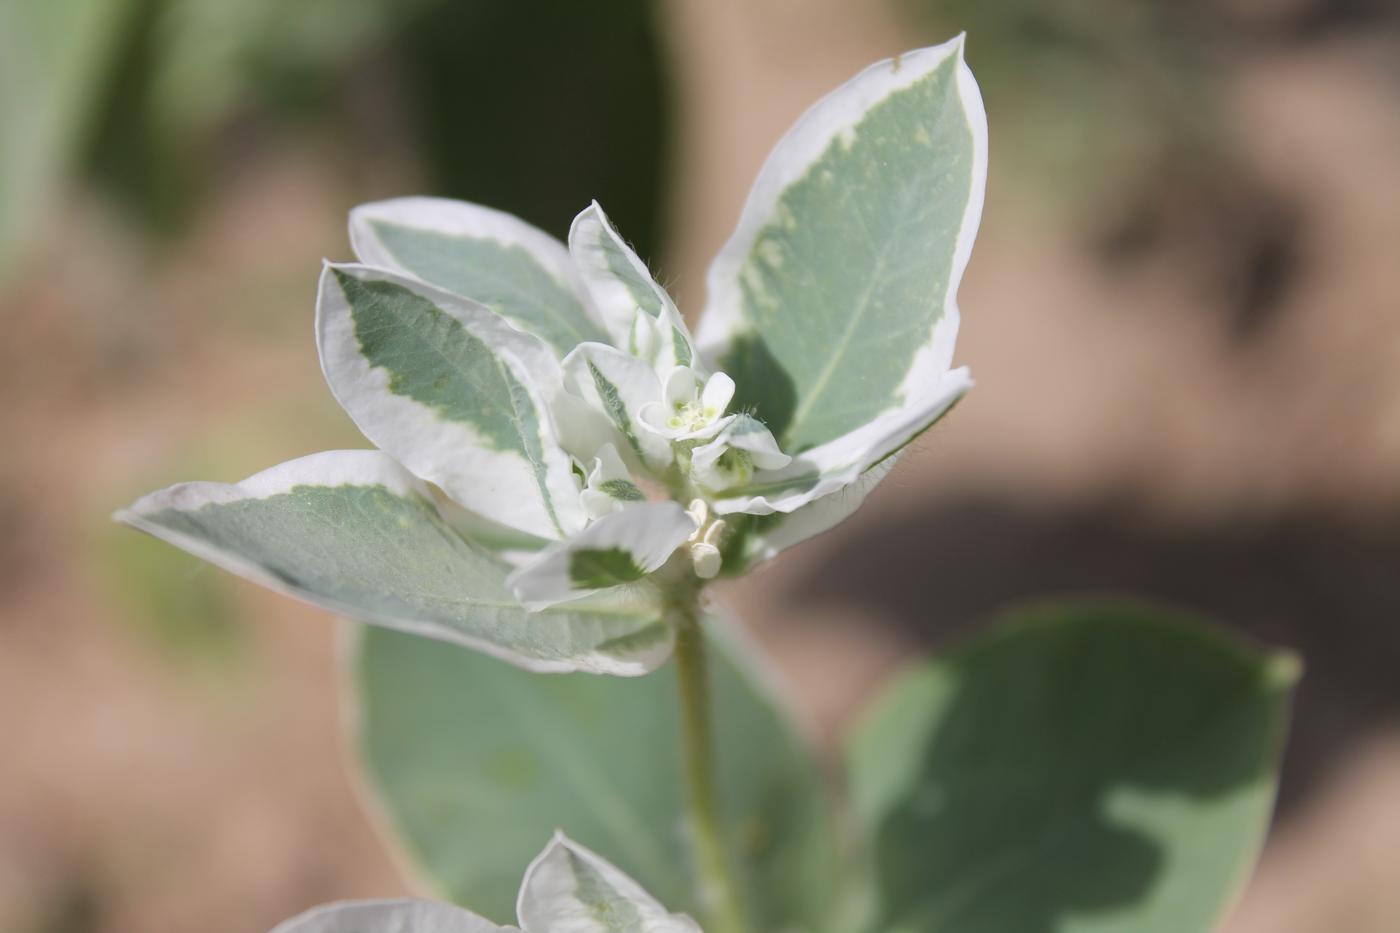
column 563, row 467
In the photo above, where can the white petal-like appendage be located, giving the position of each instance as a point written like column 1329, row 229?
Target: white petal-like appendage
column 718, row 392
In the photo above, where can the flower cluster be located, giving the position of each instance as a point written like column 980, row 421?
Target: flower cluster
column 646, row 417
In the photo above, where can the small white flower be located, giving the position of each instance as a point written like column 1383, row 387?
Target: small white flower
column 690, row 409
column 730, row 459
column 610, row 486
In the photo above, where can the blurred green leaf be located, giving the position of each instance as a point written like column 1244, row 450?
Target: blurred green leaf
column 1101, row 767
column 53, row 56
column 475, row 762
column 535, row 107
column 1088, row 96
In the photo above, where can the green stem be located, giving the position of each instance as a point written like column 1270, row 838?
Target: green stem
column 719, row 892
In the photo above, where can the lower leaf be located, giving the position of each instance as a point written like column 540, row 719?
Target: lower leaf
column 1100, row 767
column 473, row 762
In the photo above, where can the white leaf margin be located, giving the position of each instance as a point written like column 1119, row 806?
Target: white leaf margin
column 839, row 463
column 355, row 468
column 401, row 915
column 462, row 219
column 815, row 518
column 327, row 469
column 795, row 153
column 548, row 904
column 590, row 236
column 450, row 453
column 649, row 532
column 636, row 384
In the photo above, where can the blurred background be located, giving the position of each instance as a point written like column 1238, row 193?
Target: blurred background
column 1183, row 316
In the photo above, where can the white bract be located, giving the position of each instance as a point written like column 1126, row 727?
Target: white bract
column 555, row 395
column 567, row 889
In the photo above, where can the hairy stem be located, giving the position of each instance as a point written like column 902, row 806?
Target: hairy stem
column 718, row 888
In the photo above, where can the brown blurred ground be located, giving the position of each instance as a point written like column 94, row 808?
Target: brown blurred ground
column 1122, row 436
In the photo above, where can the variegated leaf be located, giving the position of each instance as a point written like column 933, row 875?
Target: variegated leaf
column 620, row 386
column 834, row 466
column 453, row 392
column 640, row 316
column 519, row 271
column 616, row 278
column 1079, row 767
column 833, row 305
column 569, row 888
column 355, row 533
column 617, row 549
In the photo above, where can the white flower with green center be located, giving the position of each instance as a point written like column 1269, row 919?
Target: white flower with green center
column 545, row 421
column 745, row 445
column 567, row 889
column 691, row 407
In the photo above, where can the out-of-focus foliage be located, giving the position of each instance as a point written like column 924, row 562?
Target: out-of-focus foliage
column 53, row 55
column 1090, row 91
column 1117, row 112
column 1079, row 767
column 487, row 99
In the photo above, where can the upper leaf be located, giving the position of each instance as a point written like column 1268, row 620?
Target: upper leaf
column 616, row 278
column 453, row 392
column 355, row 533
column 408, row 915
column 1101, row 767
column 520, row 272
column 569, row 889
column 619, row 548
column 834, row 302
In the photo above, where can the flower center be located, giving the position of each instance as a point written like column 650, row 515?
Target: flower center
column 692, row 416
